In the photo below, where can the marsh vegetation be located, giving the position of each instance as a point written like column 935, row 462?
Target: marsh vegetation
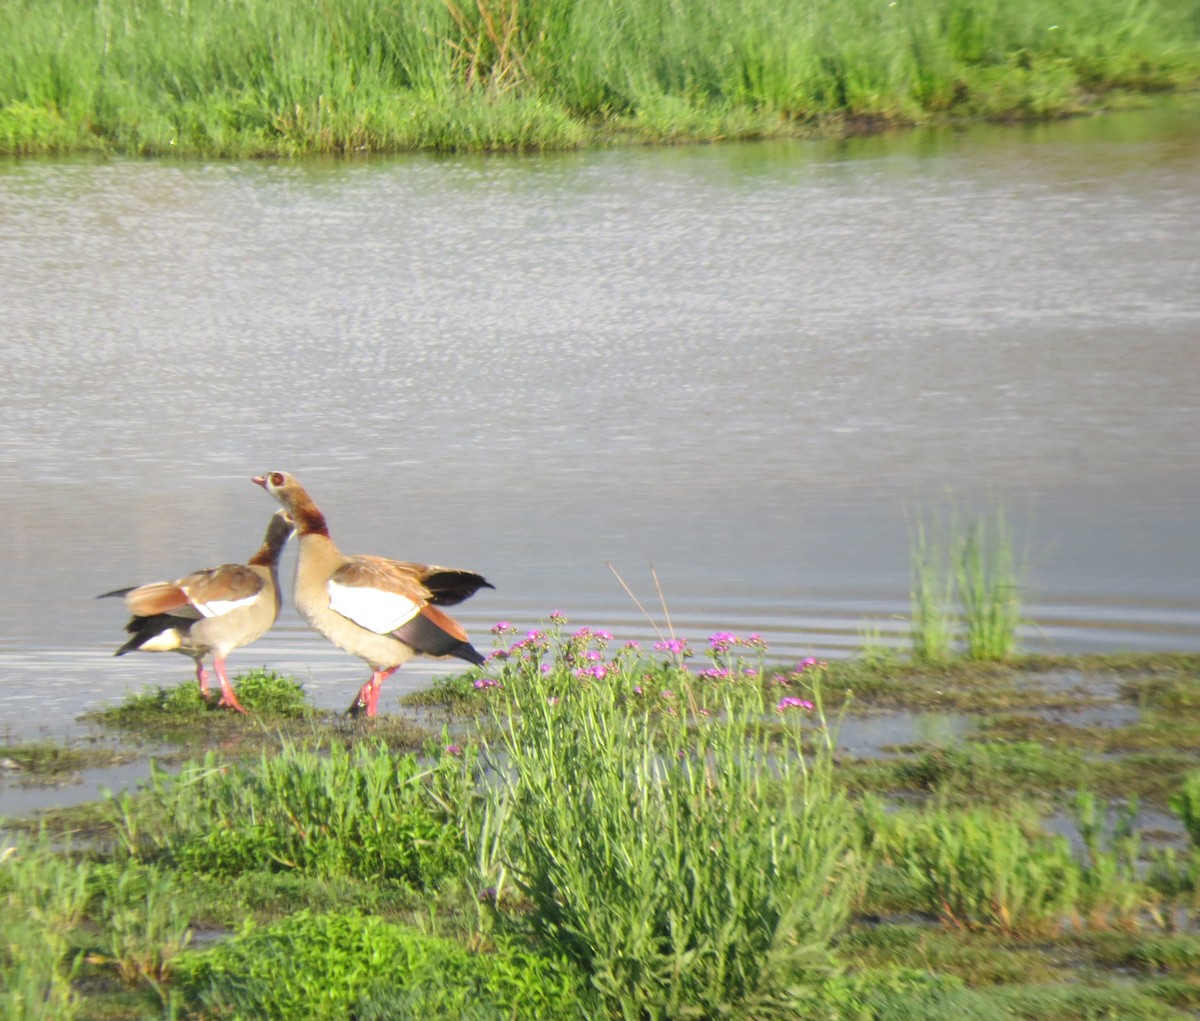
column 586, row 829
column 257, row 77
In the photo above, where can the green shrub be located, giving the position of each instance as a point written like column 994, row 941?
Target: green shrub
column 328, row 967
column 668, row 839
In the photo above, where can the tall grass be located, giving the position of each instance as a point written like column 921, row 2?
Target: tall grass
column 245, row 77
column 931, row 593
column 972, row 564
column 988, row 587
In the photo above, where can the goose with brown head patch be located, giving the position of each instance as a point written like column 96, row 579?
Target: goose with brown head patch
column 383, row 611
column 210, row 612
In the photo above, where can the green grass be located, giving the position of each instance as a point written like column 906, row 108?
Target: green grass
column 262, row 77
column 365, row 813
column 261, row 692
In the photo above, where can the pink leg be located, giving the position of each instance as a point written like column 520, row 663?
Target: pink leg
column 202, row 677
column 228, row 698
column 368, row 695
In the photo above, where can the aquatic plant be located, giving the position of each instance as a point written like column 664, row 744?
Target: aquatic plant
column 1112, row 891
column 973, row 563
column 1185, row 803
column 931, row 592
column 988, row 587
column 990, row 771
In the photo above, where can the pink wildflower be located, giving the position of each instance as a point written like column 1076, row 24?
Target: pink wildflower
column 722, row 641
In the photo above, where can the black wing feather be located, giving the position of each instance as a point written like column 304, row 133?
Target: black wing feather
column 430, row 640
column 449, row 587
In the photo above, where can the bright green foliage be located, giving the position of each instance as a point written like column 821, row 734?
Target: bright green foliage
column 266, row 692
column 258, row 77
column 328, row 967
column 690, row 866
column 366, row 813
column 1112, row 892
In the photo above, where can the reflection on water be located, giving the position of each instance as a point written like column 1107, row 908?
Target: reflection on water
column 744, row 365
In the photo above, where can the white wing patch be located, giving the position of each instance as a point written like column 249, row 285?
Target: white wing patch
column 372, row 608
column 220, row 607
column 164, row 641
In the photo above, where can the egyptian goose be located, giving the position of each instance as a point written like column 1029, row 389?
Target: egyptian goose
column 383, row 611
column 210, row 612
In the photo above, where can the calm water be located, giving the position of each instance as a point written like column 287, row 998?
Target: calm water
column 743, row 365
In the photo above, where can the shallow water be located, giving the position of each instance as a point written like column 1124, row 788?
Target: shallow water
column 745, row 365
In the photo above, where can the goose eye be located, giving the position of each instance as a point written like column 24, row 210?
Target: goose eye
column 276, row 478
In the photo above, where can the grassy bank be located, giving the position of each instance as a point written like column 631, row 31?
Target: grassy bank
column 262, row 77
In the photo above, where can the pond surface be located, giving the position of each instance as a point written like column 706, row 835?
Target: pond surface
column 747, row 366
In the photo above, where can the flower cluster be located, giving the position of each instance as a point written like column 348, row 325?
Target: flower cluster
column 722, row 641
column 584, row 656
